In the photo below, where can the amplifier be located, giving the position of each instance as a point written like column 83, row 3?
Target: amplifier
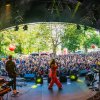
column 63, row 78
column 29, row 77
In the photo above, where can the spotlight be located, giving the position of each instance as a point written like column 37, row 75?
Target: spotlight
column 78, row 27
column 85, row 27
column 16, row 28
column 25, row 27
column 39, row 80
column 73, row 77
column 8, row 3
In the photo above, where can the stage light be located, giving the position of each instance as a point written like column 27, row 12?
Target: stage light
column 78, row 27
column 39, row 80
column 25, row 27
column 8, row 10
column 85, row 27
column 16, row 28
column 73, row 77
column 8, row 3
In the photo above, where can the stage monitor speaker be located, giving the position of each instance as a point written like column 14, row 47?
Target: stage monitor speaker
column 83, row 72
column 29, row 76
column 63, row 78
column 49, row 79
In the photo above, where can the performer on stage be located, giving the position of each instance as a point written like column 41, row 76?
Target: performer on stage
column 53, row 76
column 11, row 69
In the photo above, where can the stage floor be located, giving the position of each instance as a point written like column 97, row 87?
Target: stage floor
column 71, row 91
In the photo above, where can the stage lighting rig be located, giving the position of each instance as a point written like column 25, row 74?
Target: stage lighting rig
column 78, row 27
column 16, row 28
column 85, row 27
column 25, row 27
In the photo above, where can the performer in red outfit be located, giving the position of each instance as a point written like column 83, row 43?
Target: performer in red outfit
column 53, row 76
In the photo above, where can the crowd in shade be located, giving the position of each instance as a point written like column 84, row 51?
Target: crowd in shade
column 66, row 64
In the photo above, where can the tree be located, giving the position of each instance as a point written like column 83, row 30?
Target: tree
column 90, row 37
column 4, row 41
column 72, row 37
column 49, row 36
column 46, row 37
column 57, row 32
column 94, row 39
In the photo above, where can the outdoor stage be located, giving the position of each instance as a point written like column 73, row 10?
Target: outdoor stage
column 71, row 91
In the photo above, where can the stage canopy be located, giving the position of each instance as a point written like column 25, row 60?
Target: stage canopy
column 15, row 12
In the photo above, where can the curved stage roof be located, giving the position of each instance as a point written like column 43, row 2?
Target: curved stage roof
column 14, row 12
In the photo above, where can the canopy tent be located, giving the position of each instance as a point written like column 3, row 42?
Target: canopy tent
column 14, row 12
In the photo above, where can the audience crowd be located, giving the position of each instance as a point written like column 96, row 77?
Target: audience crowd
column 66, row 63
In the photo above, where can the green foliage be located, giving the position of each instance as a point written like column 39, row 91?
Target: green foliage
column 79, row 38
column 94, row 39
column 47, row 37
column 72, row 38
column 91, row 38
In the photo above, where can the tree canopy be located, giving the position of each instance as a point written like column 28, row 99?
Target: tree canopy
column 47, row 37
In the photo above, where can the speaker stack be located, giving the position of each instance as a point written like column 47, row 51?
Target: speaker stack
column 63, row 78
